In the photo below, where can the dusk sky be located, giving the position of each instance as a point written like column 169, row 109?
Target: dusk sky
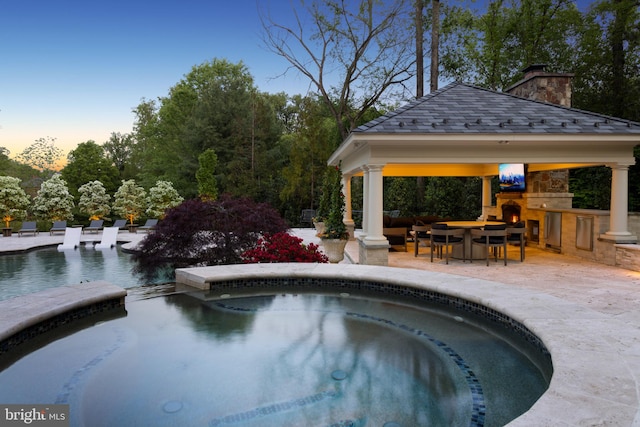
column 74, row 70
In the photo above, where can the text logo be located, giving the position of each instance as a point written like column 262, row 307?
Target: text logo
column 34, row 415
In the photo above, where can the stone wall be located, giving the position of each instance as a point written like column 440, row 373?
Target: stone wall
column 554, row 181
column 628, row 256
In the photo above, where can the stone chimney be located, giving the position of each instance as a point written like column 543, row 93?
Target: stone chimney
column 545, row 189
column 537, row 84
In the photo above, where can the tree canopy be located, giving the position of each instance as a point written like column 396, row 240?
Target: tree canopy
column 215, row 106
column 494, row 47
column 354, row 54
column 359, row 59
column 130, row 200
column 94, row 200
column 86, row 163
column 11, row 167
column 13, row 200
column 118, row 150
column 206, row 175
column 42, row 155
column 54, row 202
column 162, row 197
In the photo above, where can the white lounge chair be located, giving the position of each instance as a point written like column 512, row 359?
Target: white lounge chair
column 71, row 238
column 109, row 238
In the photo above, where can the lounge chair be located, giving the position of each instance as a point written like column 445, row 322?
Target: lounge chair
column 306, row 217
column 58, row 227
column 109, row 238
column 28, row 227
column 397, row 237
column 149, row 225
column 95, row 226
column 120, row 223
column 71, row 239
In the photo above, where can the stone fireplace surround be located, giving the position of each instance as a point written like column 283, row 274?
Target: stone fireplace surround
column 511, row 212
column 547, row 190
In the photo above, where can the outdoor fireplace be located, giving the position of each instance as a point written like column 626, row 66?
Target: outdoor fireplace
column 511, row 212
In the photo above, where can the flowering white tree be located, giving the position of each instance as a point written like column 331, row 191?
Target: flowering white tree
column 42, row 154
column 13, row 200
column 94, row 200
column 53, row 201
column 130, row 200
column 162, row 197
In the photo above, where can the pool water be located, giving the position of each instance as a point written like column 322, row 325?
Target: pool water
column 283, row 360
column 40, row 269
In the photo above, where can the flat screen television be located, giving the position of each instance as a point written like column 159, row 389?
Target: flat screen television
column 512, row 176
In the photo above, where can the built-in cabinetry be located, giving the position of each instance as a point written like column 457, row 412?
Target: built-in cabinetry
column 572, row 231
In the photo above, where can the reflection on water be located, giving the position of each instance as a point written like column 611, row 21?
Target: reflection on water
column 272, row 361
column 37, row 270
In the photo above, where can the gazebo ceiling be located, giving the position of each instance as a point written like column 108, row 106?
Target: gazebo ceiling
column 460, row 169
column 463, row 130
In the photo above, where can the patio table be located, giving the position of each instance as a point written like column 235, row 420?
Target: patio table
column 471, row 251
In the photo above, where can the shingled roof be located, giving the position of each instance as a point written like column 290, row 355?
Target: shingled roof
column 462, row 108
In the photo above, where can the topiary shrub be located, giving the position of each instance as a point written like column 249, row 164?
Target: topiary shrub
column 334, row 227
column 283, row 247
column 201, row 233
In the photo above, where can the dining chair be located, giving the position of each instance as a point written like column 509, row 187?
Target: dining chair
column 443, row 236
column 420, row 233
column 515, row 236
column 492, row 237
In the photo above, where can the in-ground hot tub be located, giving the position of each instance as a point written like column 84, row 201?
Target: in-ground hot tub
column 338, row 355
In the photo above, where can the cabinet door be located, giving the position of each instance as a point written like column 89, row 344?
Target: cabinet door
column 553, row 229
column 584, row 232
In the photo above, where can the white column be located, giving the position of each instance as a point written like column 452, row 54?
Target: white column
column 619, row 214
column 486, row 197
column 375, row 205
column 365, row 200
column 348, row 214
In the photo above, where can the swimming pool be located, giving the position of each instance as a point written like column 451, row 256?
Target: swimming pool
column 45, row 268
column 285, row 359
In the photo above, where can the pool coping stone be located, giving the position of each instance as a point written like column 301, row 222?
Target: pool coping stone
column 20, row 313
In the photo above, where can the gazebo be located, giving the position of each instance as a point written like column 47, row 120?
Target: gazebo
column 463, row 130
